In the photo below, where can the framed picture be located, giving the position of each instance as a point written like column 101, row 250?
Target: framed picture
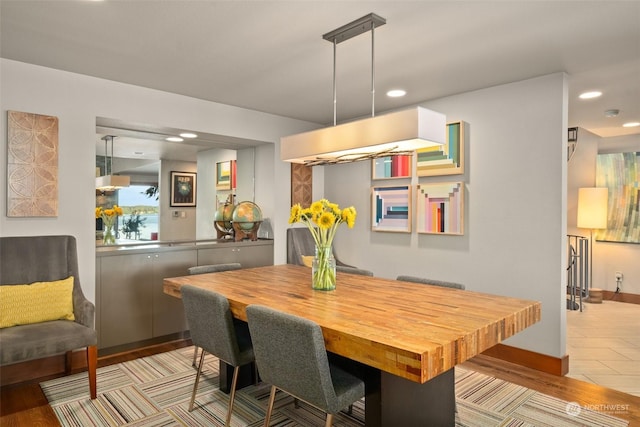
column 183, row 189
column 443, row 160
column 389, row 167
column 440, row 208
column 224, row 175
column 391, row 208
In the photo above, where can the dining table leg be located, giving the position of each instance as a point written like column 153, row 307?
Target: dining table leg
column 400, row 402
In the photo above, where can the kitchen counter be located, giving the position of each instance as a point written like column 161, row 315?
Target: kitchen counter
column 142, row 246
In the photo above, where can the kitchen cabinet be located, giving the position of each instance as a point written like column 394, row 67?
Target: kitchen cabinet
column 255, row 255
column 131, row 306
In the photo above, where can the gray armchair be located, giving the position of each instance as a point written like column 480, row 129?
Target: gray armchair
column 25, row 260
column 291, row 356
column 300, row 243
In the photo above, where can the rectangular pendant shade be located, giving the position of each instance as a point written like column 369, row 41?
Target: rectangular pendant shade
column 393, row 133
column 592, row 207
column 112, row 182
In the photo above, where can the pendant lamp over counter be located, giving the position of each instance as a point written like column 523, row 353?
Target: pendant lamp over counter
column 110, row 182
column 397, row 133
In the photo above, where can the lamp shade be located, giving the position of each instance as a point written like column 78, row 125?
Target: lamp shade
column 112, row 182
column 592, row 207
column 400, row 132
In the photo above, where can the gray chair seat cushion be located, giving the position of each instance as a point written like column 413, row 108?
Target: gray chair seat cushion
column 27, row 342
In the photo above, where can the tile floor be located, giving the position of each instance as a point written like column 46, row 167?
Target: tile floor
column 603, row 343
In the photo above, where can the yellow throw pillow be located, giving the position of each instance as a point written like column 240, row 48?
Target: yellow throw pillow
column 307, row 260
column 37, row 302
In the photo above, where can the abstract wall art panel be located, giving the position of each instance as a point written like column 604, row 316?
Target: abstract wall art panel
column 301, row 184
column 391, row 167
column 440, row 208
column 32, row 165
column 391, row 208
column 447, row 159
column 620, row 173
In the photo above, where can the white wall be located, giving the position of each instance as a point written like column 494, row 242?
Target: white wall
column 515, row 223
column 77, row 100
column 206, row 204
column 182, row 226
column 608, row 257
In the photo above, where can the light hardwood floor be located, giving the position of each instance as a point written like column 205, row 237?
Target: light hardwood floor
column 603, row 343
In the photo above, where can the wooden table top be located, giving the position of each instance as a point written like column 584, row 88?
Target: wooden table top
column 407, row 329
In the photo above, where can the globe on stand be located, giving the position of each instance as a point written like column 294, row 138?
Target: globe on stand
column 246, row 220
column 222, row 220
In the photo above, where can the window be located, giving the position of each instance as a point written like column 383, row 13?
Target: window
column 140, row 219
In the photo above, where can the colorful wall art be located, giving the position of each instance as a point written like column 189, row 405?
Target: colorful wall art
column 447, row 159
column 32, row 165
column 225, row 175
column 391, row 167
column 440, row 208
column 620, row 173
column 391, row 208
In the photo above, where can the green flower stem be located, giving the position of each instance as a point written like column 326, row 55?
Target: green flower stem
column 324, row 269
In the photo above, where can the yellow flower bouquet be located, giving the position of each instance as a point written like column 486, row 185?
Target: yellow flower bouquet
column 323, row 218
column 108, row 219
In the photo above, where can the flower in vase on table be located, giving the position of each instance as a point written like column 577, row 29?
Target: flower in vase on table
column 322, row 219
column 109, row 217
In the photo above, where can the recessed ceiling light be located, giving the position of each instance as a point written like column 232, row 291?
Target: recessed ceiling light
column 590, row 95
column 396, row 93
column 188, row 135
column 631, row 124
column 174, row 139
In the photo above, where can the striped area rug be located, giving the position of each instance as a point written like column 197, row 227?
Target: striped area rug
column 155, row 391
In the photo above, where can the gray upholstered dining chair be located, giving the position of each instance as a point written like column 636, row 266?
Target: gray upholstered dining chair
column 353, row 270
column 291, row 356
column 214, row 329
column 210, row 268
column 432, row 282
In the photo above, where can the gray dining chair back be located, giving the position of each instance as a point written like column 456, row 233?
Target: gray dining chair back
column 210, row 268
column 353, row 270
column 214, row 268
column 291, row 356
column 432, row 282
column 214, row 329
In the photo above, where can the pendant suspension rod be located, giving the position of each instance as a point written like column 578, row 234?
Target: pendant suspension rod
column 335, row 100
column 373, row 73
column 353, row 29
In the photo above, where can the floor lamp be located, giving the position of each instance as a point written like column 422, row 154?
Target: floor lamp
column 592, row 214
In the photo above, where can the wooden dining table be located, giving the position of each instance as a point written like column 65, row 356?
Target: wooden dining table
column 405, row 337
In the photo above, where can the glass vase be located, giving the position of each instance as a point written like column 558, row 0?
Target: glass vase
column 323, row 269
column 109, row 237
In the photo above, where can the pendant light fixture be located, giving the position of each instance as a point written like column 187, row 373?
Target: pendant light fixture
column 397, row 133
column 110, row 182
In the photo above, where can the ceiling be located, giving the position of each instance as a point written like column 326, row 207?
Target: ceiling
column 270, row 55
